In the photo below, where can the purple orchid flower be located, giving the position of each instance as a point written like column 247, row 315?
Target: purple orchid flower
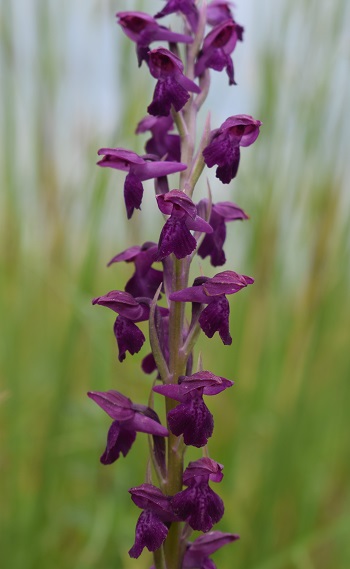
column 173, row 86
column 215, row 317
column 192, row 418
column 186, row 7
column 152, row 525
column 129, row 337
column 197, row 553
column 205, row 469
column 145, row 280
column 128, row 419
column 198, row 505
column 139, row 169
column 217, row 48
column 176, row 236
column 223, row 150
column 219, row 11
column 161, row 144
column 143, row 30
column 221, row 213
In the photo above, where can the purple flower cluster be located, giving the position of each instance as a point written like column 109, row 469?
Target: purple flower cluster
column 175, row 500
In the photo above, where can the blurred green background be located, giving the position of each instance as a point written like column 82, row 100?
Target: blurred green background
column 69, row 85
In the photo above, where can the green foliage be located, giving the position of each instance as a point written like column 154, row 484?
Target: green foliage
column 282, row 430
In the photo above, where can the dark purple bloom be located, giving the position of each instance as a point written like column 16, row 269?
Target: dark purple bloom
column 173, row 86
column 215, row 317
column 199, row 506
column 151, row 528
column 129, row 337
column 176, row 236
column 217, row 48
column 139, row 169
column 197, row 553
column 145, row 280
column 143, row 30
column 223, row 150
column 186, row 7
column 128, row 419
column 161, row 144
column 192, row 417
column 212, row 244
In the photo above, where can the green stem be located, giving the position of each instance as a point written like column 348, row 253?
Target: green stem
column 159, row 559
column 177, row 365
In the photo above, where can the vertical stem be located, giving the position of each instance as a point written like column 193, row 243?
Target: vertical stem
column 177, row 358
column 177, row 364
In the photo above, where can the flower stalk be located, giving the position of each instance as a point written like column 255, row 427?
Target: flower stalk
column 183, row 501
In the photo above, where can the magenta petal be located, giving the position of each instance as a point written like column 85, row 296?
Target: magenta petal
column 209, row 383
column 158, row 169
column 129, row 337
column 192, row 419
column 244, row 129
column 149, row 497
column 176, row 198
column 119, row 440
column 127, row 255
column 199, row 224
column 171, row 390
column 227, row 282
column 175, row 238
column 188, row 84
column 115, row 404
column 220, row 151
column 143, row 424
column 199, row 506
column 197, row 554
column 230, row 211
column 187, row 7
column 204, row 468
column 150, row 532
column 218, row 11
column 115, row 299
column 167, row 92
column 143, row 29
column 215, row 318
column 190, row 294
column 119, row 158
column 164, row 64
column 133, row 193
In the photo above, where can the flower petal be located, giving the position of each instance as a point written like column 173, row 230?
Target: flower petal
column 192, row 419
column 150, row 532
